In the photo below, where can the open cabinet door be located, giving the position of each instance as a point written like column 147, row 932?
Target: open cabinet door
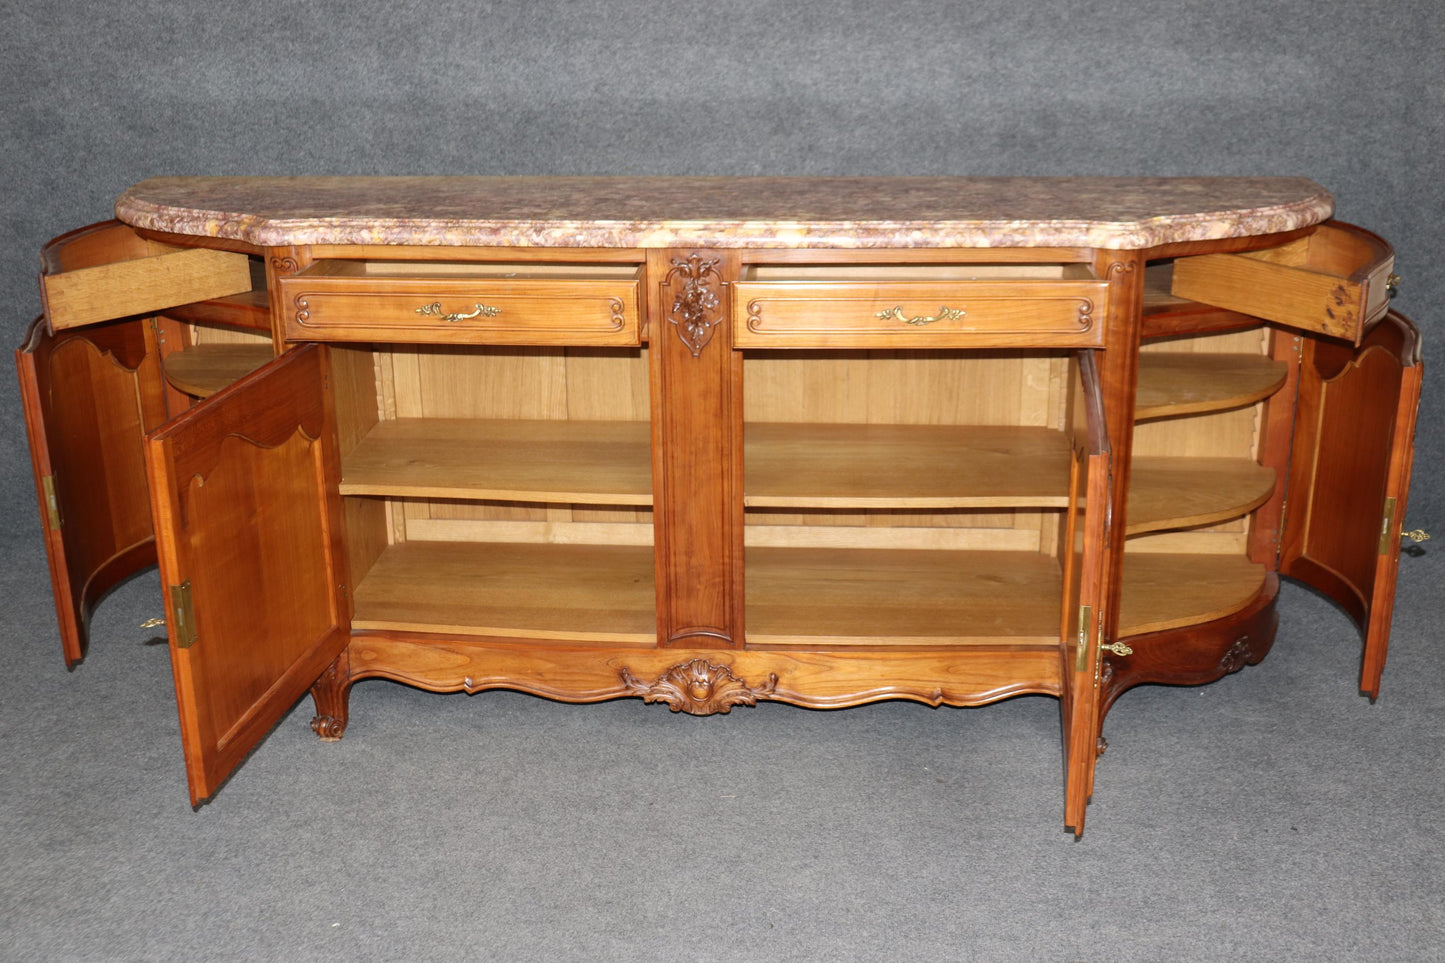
column 89, row 397
column 1349, row 476
column 1084, row 549
column 249, row 534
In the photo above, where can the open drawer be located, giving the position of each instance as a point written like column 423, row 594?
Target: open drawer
column 1335, row 281
column 919, row 306
column 463, row 303
column 108, row 271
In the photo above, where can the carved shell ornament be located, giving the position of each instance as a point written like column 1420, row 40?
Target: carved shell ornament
column 699, row 688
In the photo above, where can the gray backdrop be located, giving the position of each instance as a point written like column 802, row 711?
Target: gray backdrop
column 99, row 95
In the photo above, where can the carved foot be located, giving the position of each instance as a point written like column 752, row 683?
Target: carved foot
column 330, row 693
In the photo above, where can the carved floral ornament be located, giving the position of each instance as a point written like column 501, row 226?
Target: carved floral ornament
column 692, row 306
column 699, row 688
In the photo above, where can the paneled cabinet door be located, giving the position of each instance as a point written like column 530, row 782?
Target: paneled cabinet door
column 89, row 396
column 1349, row 476
column 1084, row 550
column 249, row 537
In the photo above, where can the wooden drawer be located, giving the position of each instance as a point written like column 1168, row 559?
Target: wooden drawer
column 458, row 303
column 107, row 271
column 1334, row 281
column 924, row 306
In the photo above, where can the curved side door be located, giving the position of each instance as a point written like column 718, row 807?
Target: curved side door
column 1349, row 476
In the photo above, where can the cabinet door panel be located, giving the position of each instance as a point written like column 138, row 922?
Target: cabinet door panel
column 1350, row 475
column 248, row 523
column 89, row 397
column 1085, row 548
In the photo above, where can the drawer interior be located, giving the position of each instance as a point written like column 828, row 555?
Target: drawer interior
column 884, row 273
column 461, row 270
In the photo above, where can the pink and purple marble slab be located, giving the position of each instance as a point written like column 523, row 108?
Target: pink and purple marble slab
column 722, row 212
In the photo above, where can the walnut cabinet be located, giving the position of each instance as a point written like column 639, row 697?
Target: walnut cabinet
column 708, row 442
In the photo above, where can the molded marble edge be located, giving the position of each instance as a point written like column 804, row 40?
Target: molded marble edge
column 139, row 207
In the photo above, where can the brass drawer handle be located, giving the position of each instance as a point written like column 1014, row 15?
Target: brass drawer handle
column 944, row 314
column 435, row 309
column 1392, row 284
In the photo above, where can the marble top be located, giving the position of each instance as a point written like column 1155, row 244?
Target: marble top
column 775, row 212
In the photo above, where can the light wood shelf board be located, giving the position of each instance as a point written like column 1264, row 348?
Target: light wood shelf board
column 1184, row 383
column 250, row 310
column 1167, row 493
column 202, row 370
column 816, row 597
column 1165, row 591
column 569, row 462
column 903, row 466
column 594, row 593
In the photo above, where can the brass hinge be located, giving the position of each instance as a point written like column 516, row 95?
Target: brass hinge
column 183, row 615
column 1387, row 527
column 52, row 507
column 1081, row 649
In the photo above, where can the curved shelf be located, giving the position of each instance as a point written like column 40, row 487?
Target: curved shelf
column 1180, row 383
column 1166, row 591
column 204, row 369
column 250, row 310
column 1167, row 493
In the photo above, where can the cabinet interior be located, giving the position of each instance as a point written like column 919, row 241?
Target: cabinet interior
column 890, row 497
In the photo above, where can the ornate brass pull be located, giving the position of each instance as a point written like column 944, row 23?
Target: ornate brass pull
column 435, row 309
column 1418, row 535
column 1392, row 284
column 1118, row 648
column 944, row 314
column 153, row 623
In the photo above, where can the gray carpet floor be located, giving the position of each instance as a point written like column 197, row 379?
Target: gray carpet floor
column 1275, row 815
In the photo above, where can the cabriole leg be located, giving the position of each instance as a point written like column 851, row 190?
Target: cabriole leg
column 330, row 694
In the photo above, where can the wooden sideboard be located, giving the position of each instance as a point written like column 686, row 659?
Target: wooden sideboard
column 710, row 441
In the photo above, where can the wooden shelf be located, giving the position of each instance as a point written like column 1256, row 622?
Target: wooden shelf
column 250, row 310
column 814, row 466
column 812, row 597
column 1188, row 383
column 567, row 462
column 1169, row 493
column 590, row 593
column 904, row 466
column 203, row 370
column 1165, row 591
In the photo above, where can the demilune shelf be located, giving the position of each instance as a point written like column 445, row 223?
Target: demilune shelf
column 204, row 369
column 1166, row 591
column 1169, row 492
column 1185, row 383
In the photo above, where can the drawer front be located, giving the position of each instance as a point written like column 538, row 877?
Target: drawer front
column 495, row 311
column 922, row 314
column 1333, row 282
column 107, row 271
